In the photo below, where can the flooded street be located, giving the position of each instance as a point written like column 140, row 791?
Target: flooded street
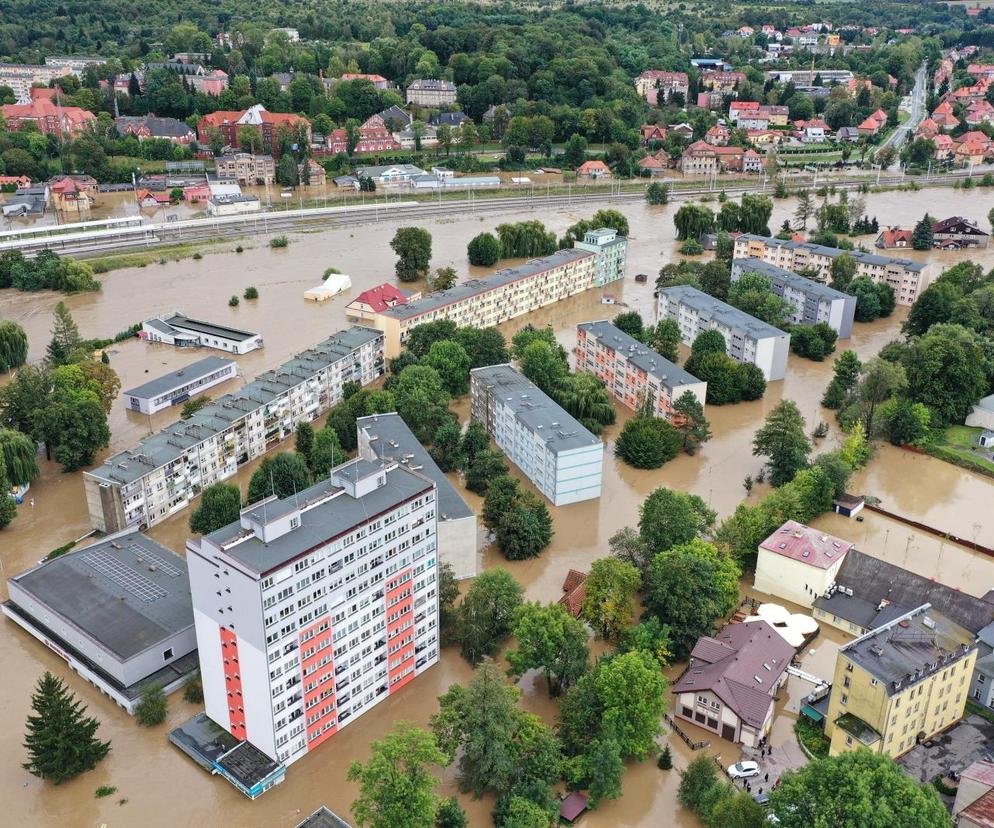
column 163, row 787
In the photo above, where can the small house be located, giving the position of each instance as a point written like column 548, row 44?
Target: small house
column 593, row 170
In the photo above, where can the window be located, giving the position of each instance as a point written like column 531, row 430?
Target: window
column 844, row 699
column 847, row 682
column 168, row 654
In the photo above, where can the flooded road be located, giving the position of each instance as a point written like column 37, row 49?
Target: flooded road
column 150, row 774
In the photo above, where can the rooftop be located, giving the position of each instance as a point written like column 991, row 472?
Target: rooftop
column 856, row 727
column 641, row 356
column 810, row 546
column 174, row 379
column 789, row 278
column 833, row 252
column 537, row 412
column 178, row 320
column 909, row 648
column 126, row 592
column 383, row 296
column 721, row 312
column 324, row 818
column 980, row 812
column 176, row 439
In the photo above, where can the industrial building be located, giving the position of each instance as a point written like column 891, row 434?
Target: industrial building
column 184, row 332
column 178, row 386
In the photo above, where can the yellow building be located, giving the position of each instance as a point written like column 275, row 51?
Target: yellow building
column 799, row 563
column 900, row 684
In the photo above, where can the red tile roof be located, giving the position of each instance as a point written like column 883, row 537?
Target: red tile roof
column 382, row 297
column 575, row 590
column 573, row 805
column 895, row 235
column 981, row 811
column 980, row 771
column 809, row 546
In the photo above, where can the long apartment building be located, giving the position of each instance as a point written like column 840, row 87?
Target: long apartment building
column 811, row 302
column 747, row 339
column 597, row 260
column 634, row 374
column 552, row 449
column 311, row 610
column 160, row 476
column 907, row 278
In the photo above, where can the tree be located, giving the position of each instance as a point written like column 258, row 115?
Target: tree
column 783, row 440
column 690, row 586
column 303, row 440
column 486, row 614
column 18, row 457
column 61, row 739
column 423, row 336
column 934, row 305
column 868, row 306
column 326, row 453
column 630, row 322
column 668, row 518
column 544, row 366
column 610, row 588
column 753, row 293
column 396, row 787
column 701, row 789
column 599, row 769
column 485, row 346
column 857, row 788
column 846, row 373
column 805, row 208
column 153, row 707
column 905, row 421
column 485, row 468
column 452, row 363
column 521, row 812
column 585, row 397
column 922, row 236
column 843, row 269
column 525, row 529
column 657, row 193
column 421, row 400
column 220, row 504
column 13, row 346
column 283, row 475
column 813, row 342
column 69, row 418
column 286, row 171
column 502, row 493
column 483, row 250
column 474, row 441
column 65, row 337
column 450, row 814
column 665, row 339
column 249, row 138
column 880, row 380
column 651, row 636
column 692, row 221
column 633, row 698
column 947, row 370
column 647, row 442
column 445, row 446
column 551, row 640
column 690, row 422
column 575, row 151
column 529, row 334
column 442, row 279
column 738, row 810
column 413, row 248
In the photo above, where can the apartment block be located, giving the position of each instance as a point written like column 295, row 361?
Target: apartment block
column 551, row 448
column 163, row 473
column 597, row 260
column 747, row 339
column 900, row 684
column 311, row 610
column 907, row 278
column 811, row 301
column 633, row 373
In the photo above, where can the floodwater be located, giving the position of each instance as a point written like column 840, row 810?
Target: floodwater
column 148, row 772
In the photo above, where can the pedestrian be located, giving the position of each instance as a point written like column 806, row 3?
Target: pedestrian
column 767, row 777
column 761, row 790
column 747, row 787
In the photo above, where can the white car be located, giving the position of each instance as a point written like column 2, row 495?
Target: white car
column 743, row 770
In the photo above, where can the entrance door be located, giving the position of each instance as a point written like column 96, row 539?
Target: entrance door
column 728, row 732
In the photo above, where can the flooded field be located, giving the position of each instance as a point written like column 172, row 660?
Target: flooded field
column 149, row 773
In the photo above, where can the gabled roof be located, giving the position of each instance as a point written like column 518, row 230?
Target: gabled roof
column 806, row 545
column 383, row 296
column 590, row 166
column 574, row 592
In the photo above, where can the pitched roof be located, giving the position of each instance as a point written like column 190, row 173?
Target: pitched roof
column 383, row 296
column 809, row 546
column 575, row 592
column 980, row 812
column 590, row 166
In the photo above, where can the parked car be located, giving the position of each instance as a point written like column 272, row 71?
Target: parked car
column 762, row 799
column 743, row 770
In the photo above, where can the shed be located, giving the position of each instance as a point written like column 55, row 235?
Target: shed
column 335, row 283
column 848, row 505
column 986, row 439
column 572, row 807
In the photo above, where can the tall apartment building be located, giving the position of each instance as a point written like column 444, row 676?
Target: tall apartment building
column 431, row 92
column 747, row 339
column 597, row 260
column 632, row 372
column 900, row 683
column 161, row 475
column 246, row 168
column 810, row 301
column 552, row 449
column 907, row 278
column 20, row 77
column 311, row 610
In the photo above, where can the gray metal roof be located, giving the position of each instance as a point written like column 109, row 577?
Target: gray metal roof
column 721, row 312
column 536, row 411
column 788, row 277
column 474, row 287
column 336, row 514
column 185, row 323
column 126, row 592
column 642, row 356
column 391, row 439
column 175, row 379
column 376, row 171
column 833, row 252
column 174, row 440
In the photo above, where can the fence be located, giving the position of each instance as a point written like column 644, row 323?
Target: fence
column 679, row 732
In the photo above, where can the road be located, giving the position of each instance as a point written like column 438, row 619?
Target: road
column 918, row 97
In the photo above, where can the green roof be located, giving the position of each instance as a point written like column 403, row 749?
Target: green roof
column 855, row 726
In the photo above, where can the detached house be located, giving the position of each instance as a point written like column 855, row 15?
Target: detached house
column 893, row 238
column 268, row 123
column 374, row 136
column 593, row 170
column 958, row 232
column 814, row 131
column 652, row 132
column 657, row 86
column 717, row 135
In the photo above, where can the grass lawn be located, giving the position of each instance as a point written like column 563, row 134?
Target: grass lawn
column 956, row 446
column 812, row 737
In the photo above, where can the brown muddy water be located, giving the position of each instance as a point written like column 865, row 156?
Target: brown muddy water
column 165, row 788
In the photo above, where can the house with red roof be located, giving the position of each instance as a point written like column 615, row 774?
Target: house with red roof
column 377, row 300
column 893, row 238
column 656, row 85
column 652, row 132
column 14, row 181
column 73, row 193
column 717, row 135
column 969, row 154
column 974, row 805
column 269, row 125
column 814, row 131
column 799, row 563
column 980, row 112
column 151, row 199
column 593, row 170
column 871, row 126
column 574, row 592
column 374, row 136
column 944, row 146
column 378, row 81
column 654, row 165
column 752, row 161
column 48, row 115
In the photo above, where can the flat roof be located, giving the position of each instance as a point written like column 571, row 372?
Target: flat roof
column 248, row 765
column 175, row 379
column 126, row 592
column 788, row 277
column 641, row 356
column 334, row 513
column 721, row 312
column 175, row 439
column 474, row 287
column 833, row 252
column 808, row 546
column 178, row 320
column 536, row 411
column 391, row 439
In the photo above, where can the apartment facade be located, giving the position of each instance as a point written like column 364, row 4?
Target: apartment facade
column 747, row 339
column 633, row 373
column 905, row 277
column 309, row 611
column 165, row 472
column 811, row 302
column 552, row 449
column 900, row 684
column 597, row 260
column 246, row 168
column 431, row 92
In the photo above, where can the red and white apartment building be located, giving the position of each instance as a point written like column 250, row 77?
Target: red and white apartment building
column 312, row 609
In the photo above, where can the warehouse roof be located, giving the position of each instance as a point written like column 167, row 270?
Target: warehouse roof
column 175, row 379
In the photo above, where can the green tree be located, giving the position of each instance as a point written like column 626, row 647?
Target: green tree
column 485, row 468
column 649, row 635
column 783, row 441
column 13, row 345
column 868, row 306
column 450, row 814
column 843, row 270
column 153, row 707
column 485, row 346
column 283, row 475
column 396, row 787
column 633, row 698
column 665, row 339
column 753, row 293
column 18, row 457
column 521, row 812
column 647, row 442
column 220, row 504
column 423, row 336
column 525, row 529
column 879, row 381
column 448, row 594
column 286, row 171
column 922, row 236
column 701, row 789
column 452, row 363
column 935, row 304
column 61, row 739
column 525, row 239
column 66, row 340
column 413, row 248
column 738, row 810
column 948, row 371
column 502, row 493
column 486, row 615
column 421, row 400
column 657, row 193
column 846, row 373
column 690, row 422
column 544, row 366
column 326, row 453
column 529, row 334
column 905, row 421
column 585, row 397
column 445, row 446
column 609, row 604
column 598, row 769
column 692, row 221
column 474, row 441
column 443, row 278
column 71, row 420
column 856, row 788
column 575, row 151
column 805, row 208
column 668, row 518
column 483, row 250
column 551, row 640
column 631, row 323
